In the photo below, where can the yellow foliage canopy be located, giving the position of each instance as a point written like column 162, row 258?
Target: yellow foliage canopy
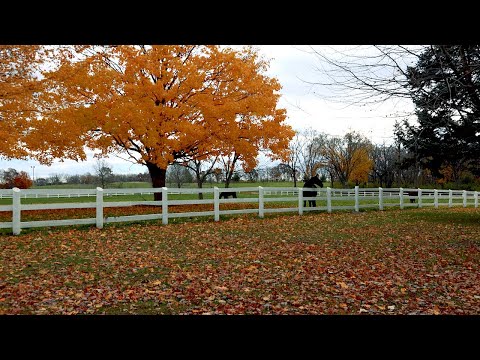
column 349, row 157
column 362, row 164
column 18, row 65
column 158, row 104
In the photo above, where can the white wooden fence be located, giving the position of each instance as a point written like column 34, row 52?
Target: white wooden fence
column 258, row 196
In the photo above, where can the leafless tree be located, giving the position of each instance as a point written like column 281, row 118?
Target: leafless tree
column 104, row 172
column 385, row 164
column 364, row 75
column 56, row 179
column 202, row 169
column 252, row 175
column 230, row 164
column 179, row 174
column 311, row 157
column 294, row 158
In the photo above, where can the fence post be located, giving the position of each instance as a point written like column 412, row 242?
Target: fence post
column 16, row 228
column 419, row 197
column 164, row 205
column 300, row 201
column 380, row 198
column 435, row 198
column 450, row 198
column 401, row 198
column 357, row 200
column 99, row 208
column 464, row 198
column 260, row 202
column 329, row 199
column 216, row 203
column 475, row 197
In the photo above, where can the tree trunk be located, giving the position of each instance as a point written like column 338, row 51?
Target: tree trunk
column 158, row 179
column 331, row 178
column 200, row 185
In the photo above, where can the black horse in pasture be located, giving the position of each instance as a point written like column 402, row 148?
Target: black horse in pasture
column 226, row 195
column 413, row 193
column 315, row 180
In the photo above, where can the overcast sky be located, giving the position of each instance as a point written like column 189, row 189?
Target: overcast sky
column 291, row 65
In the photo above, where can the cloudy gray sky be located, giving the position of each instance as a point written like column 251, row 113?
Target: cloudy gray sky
column 291, row 65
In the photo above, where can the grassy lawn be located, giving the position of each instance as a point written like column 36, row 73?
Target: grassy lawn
column 417, row 261
column 130, row 184
column 141, row 184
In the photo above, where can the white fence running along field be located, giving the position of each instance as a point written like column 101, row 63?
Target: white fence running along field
column 287, row 199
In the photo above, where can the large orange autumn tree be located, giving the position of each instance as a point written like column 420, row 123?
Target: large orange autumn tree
column 24, row 129
column 158, row 105
column 19, row 65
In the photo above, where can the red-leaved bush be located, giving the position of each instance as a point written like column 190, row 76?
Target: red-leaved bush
column 21, row 181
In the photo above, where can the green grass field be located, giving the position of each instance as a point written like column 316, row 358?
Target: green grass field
column 131, row 184
column 140, row 184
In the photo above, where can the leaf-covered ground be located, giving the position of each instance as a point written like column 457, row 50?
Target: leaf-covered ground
column 418, row 261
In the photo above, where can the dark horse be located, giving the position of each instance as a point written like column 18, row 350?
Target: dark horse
column 226, row 195
column 315, row 180
column 413, row 193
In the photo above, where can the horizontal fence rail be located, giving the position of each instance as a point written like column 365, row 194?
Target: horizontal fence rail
column 290, row 199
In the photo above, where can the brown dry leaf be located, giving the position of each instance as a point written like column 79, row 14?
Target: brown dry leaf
column 221, row 288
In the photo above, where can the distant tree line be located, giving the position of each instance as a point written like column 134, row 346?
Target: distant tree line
column 353, row 159
column 344, row 161
column 103, row 180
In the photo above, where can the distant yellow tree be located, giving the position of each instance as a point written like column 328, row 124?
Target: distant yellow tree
column 158, row 105
column 362, row 165
column 349, row 157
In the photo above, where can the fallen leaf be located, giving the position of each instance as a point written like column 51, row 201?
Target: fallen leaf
column 221, row 288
